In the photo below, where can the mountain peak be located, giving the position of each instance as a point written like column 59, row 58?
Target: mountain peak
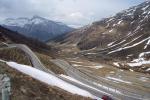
column 37, row 17
column 37, row 20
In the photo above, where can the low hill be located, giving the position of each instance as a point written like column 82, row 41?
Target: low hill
column 9, row 36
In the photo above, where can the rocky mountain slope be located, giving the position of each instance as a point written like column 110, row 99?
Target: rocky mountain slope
column 125, row 36
column 36, row 27
column 128, row 33
column 101, row 33
column 127, row 29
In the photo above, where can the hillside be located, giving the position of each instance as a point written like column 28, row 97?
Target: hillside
column 9, row 36
column 101, row 33
column 26, row 88
column 36, row 27
column 125, row 37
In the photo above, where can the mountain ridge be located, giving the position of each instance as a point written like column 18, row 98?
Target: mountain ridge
column 36, row 27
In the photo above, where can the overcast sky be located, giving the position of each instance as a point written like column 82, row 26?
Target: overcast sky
column 71, row 12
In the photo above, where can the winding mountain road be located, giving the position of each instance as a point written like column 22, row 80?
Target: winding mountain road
column 89, row 80
column 37, row 64
column 34, row 59
column 93, row 81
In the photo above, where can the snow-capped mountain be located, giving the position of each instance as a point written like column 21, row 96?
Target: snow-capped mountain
column 36, row 27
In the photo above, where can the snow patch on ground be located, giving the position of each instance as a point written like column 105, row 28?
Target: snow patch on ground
column 138, row 63
column 49, row 79
column 148, row 13
column 76, row 65
column 120, row 22
column 129, row 46
column 2, row 61
column 143, row 53
column 97, row 67
column 114, row 25
column 119, row 80
column 131, row 70
column 148, row 43
column 145, row 8
column 148, row 69
column 110, row 20
column 91, row 53
column 116, row 64
column 92, row 66
column 110, row 44
column 118, row 43
column 133, row 40
column 110, row 30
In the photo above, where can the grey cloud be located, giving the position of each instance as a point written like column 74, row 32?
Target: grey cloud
column 71, row 12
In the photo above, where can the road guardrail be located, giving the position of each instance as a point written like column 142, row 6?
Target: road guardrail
column 6, row 87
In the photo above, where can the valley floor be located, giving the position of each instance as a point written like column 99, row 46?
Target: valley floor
column 115, row 81
column 98, row 78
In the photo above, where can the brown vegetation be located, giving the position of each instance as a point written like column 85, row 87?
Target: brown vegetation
column 14, row 54
column 27, row 88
